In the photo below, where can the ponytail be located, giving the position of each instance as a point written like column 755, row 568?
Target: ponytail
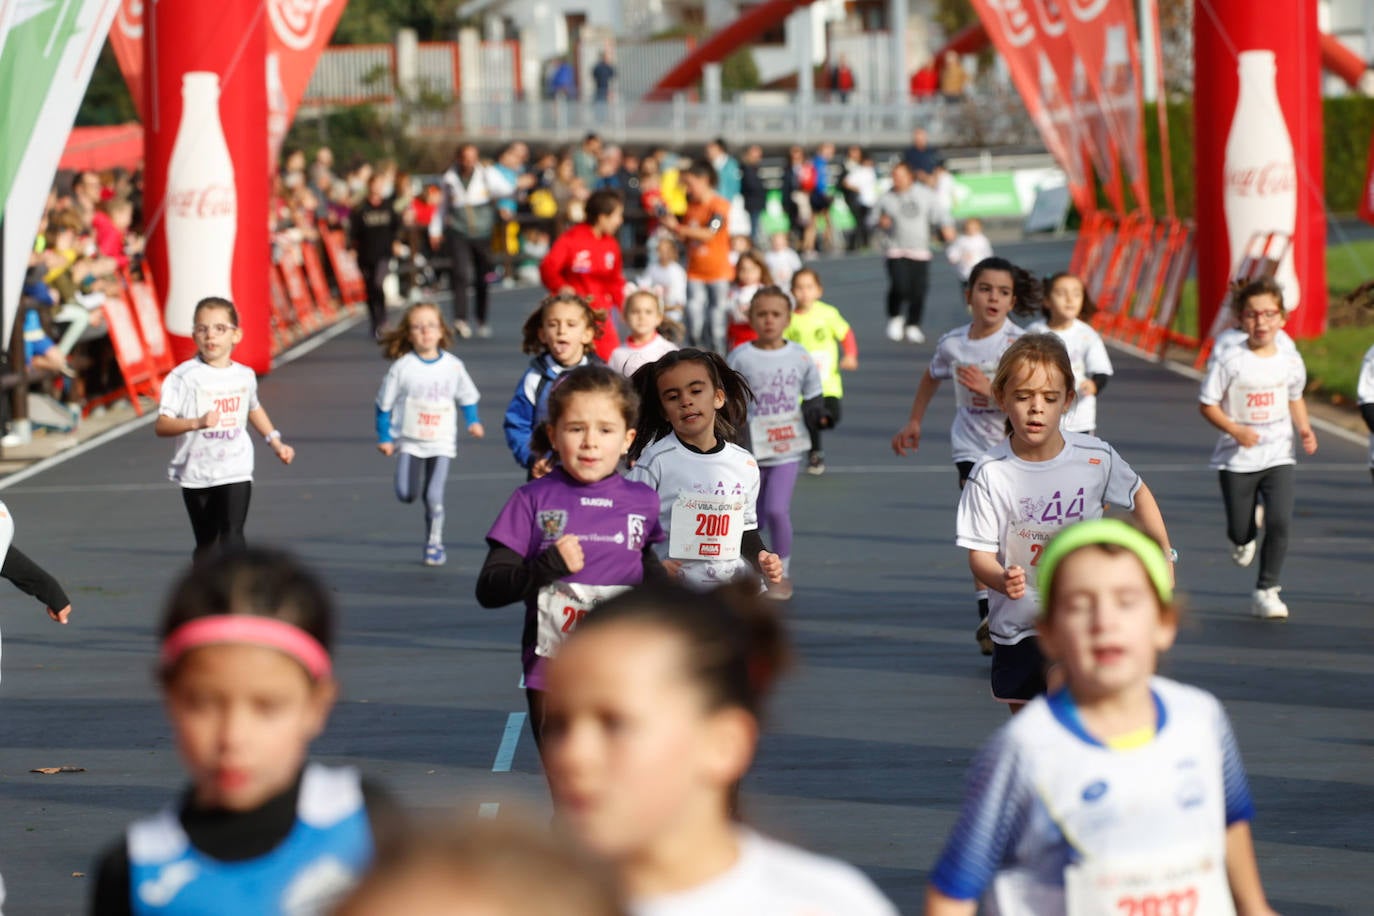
column 1027, row 292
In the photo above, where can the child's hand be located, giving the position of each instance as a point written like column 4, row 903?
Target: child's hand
column 570, row 549
column 476, row 431
column 541, row 467
column 771, row 564
column 1247, row 436
column 285, row 452
column 849, row 363
column 908, row 437
column 209, row 420
column 62, row 615
column 1014, row 582
column 972, row 378
column 1088, row 388
column 1309, row 441
column 673, row 568
column 387, row 448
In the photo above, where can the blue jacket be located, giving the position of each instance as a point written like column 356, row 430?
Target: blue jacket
column 529, row 404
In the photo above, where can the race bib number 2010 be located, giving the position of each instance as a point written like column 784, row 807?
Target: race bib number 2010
column 705, row 528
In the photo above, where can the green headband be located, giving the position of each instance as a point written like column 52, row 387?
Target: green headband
column 1105, row 531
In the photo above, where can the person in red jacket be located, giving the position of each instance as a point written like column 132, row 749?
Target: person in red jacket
column 586, row 260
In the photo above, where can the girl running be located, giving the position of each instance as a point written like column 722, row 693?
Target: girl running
column 1253, row 394
column 1065, row 311
column 579, row 533
column 969, row 355
column 586, row 261
column 30, row 578
column 557, row 335
column 208, row 403
column 751, row 275
column 1364, row 391
column 248, row 683
column 645, row 318
column 653, row 718
column 691, row 405
column 1120, row 792
column 822, row 330
column 787, row 388
column 416, row 416
column 1027, row 487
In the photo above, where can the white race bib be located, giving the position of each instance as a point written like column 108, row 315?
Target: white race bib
column 429, row 421
column 966, row 397
column 779, row 435
column 1025, row 542
column 706, row 528
column 230, row 403
column 1257, row 405
column 561, row 606
column 1177, row 883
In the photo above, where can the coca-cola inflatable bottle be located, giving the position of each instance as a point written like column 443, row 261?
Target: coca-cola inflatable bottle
column 1260, row 189
column 202, row 207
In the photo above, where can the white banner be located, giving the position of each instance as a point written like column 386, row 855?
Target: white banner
column 45, row 67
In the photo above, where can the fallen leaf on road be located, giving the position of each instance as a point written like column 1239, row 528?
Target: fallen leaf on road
column 52, row 771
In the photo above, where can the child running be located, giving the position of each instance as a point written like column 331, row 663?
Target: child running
column 558, row 336
column 786, row 388
column 1066, row 305
column 208, row 403
column 248, row 683
column 668, row 278
column 1120, row 792
column 691, row 405
column 578, row 534
column 1364, row 391
column 822, row 330
column 645, row 318
column 1253, row 394
column 416, row 416
column 653, row 718
column 751, row 275
column 1027, row 487
column 30, row 578
column 969, row 355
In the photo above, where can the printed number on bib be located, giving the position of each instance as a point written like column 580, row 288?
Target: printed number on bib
column 1025, row 543
column 966, row 397
column 429, row 421
column 562, row 606
column 1257, row 406
column 705, row 528
column 231, row 404
column 1173, row 884
column 779, row 435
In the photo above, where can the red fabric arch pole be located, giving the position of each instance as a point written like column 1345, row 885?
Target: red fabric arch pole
column 746, row 28
column 206, row 185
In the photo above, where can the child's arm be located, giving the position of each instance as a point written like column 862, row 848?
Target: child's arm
column 176, row 426
column 1147, row 515
column 849, row 347
column 1242, row 872
column 467, row 396
column 909, row 436
column 1298, row 411
column 475, row 428
column 518, row 425
column 32, row 579
column 1010, row 580
column 937, row 904
column 259, row 420
column 1243, row 434
column 385, row 445
column 507, row 577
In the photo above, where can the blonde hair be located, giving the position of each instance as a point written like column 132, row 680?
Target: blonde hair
column 1027, row 352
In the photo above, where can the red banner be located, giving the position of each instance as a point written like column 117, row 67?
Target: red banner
column 1367, row 198
column 126, row 37
column 1015, row 33
column 1104, row 34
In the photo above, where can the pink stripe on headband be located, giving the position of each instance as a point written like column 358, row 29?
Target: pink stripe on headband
column 252, row 630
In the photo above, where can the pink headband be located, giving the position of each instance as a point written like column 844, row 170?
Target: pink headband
column 250, row 629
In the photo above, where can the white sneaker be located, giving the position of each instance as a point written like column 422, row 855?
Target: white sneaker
column 463, row 329
column 1243, row 554
column 894, row 329
column 1267, row 604
column 914, row 335
column 484, row 331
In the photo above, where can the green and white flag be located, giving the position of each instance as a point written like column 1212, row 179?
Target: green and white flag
column 47, row 53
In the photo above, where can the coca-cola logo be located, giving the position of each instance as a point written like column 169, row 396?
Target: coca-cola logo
column 1266, row 180
column 129, row 18
column 297, row 22
column 210, row 202
column 1051, row 16
column 1087, row 10
column 1014, row 19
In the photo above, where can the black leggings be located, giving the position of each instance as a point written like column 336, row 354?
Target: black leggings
column 907, row 281
column 832, row 407
column 471, row 263
column 218, row 515
column 1240, row 492
column 374, row 275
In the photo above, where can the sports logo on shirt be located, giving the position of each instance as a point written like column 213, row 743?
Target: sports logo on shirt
column 634, row 525
column 552, row 522
column 1094, row 790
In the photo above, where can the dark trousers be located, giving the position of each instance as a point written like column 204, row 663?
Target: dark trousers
column 832, row 407
column 1239, row 493
column 218, row 515
column 471, row 259
column 374, row 275
column 907, row 281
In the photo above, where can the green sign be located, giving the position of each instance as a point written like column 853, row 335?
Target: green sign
column 988, row 194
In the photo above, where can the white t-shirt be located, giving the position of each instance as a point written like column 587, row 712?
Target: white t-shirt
column 421, row 397
column 211, row 457
column 1045, row 796
column 774, row 879
column 1255, row 390
column 1013, row 507
column 1364, row 391
column 966, row 251
column 627, row 357
column 863, row 181
column 681, row 475
column 1235, row 338
column 979, row 423
column 669, row 281
column 781, row 380
column 782, row 265
column 1088, row 356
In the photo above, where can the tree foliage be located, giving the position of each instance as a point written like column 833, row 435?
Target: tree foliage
column 377, row 21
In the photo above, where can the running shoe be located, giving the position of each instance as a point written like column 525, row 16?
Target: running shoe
column 1267, row 604
column 484, row 331
column 1243, row 554
column 894, row 329
column 434, row 555
column 984, row 637
column 463, row 329
column 815, row 465
column 914, row 334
